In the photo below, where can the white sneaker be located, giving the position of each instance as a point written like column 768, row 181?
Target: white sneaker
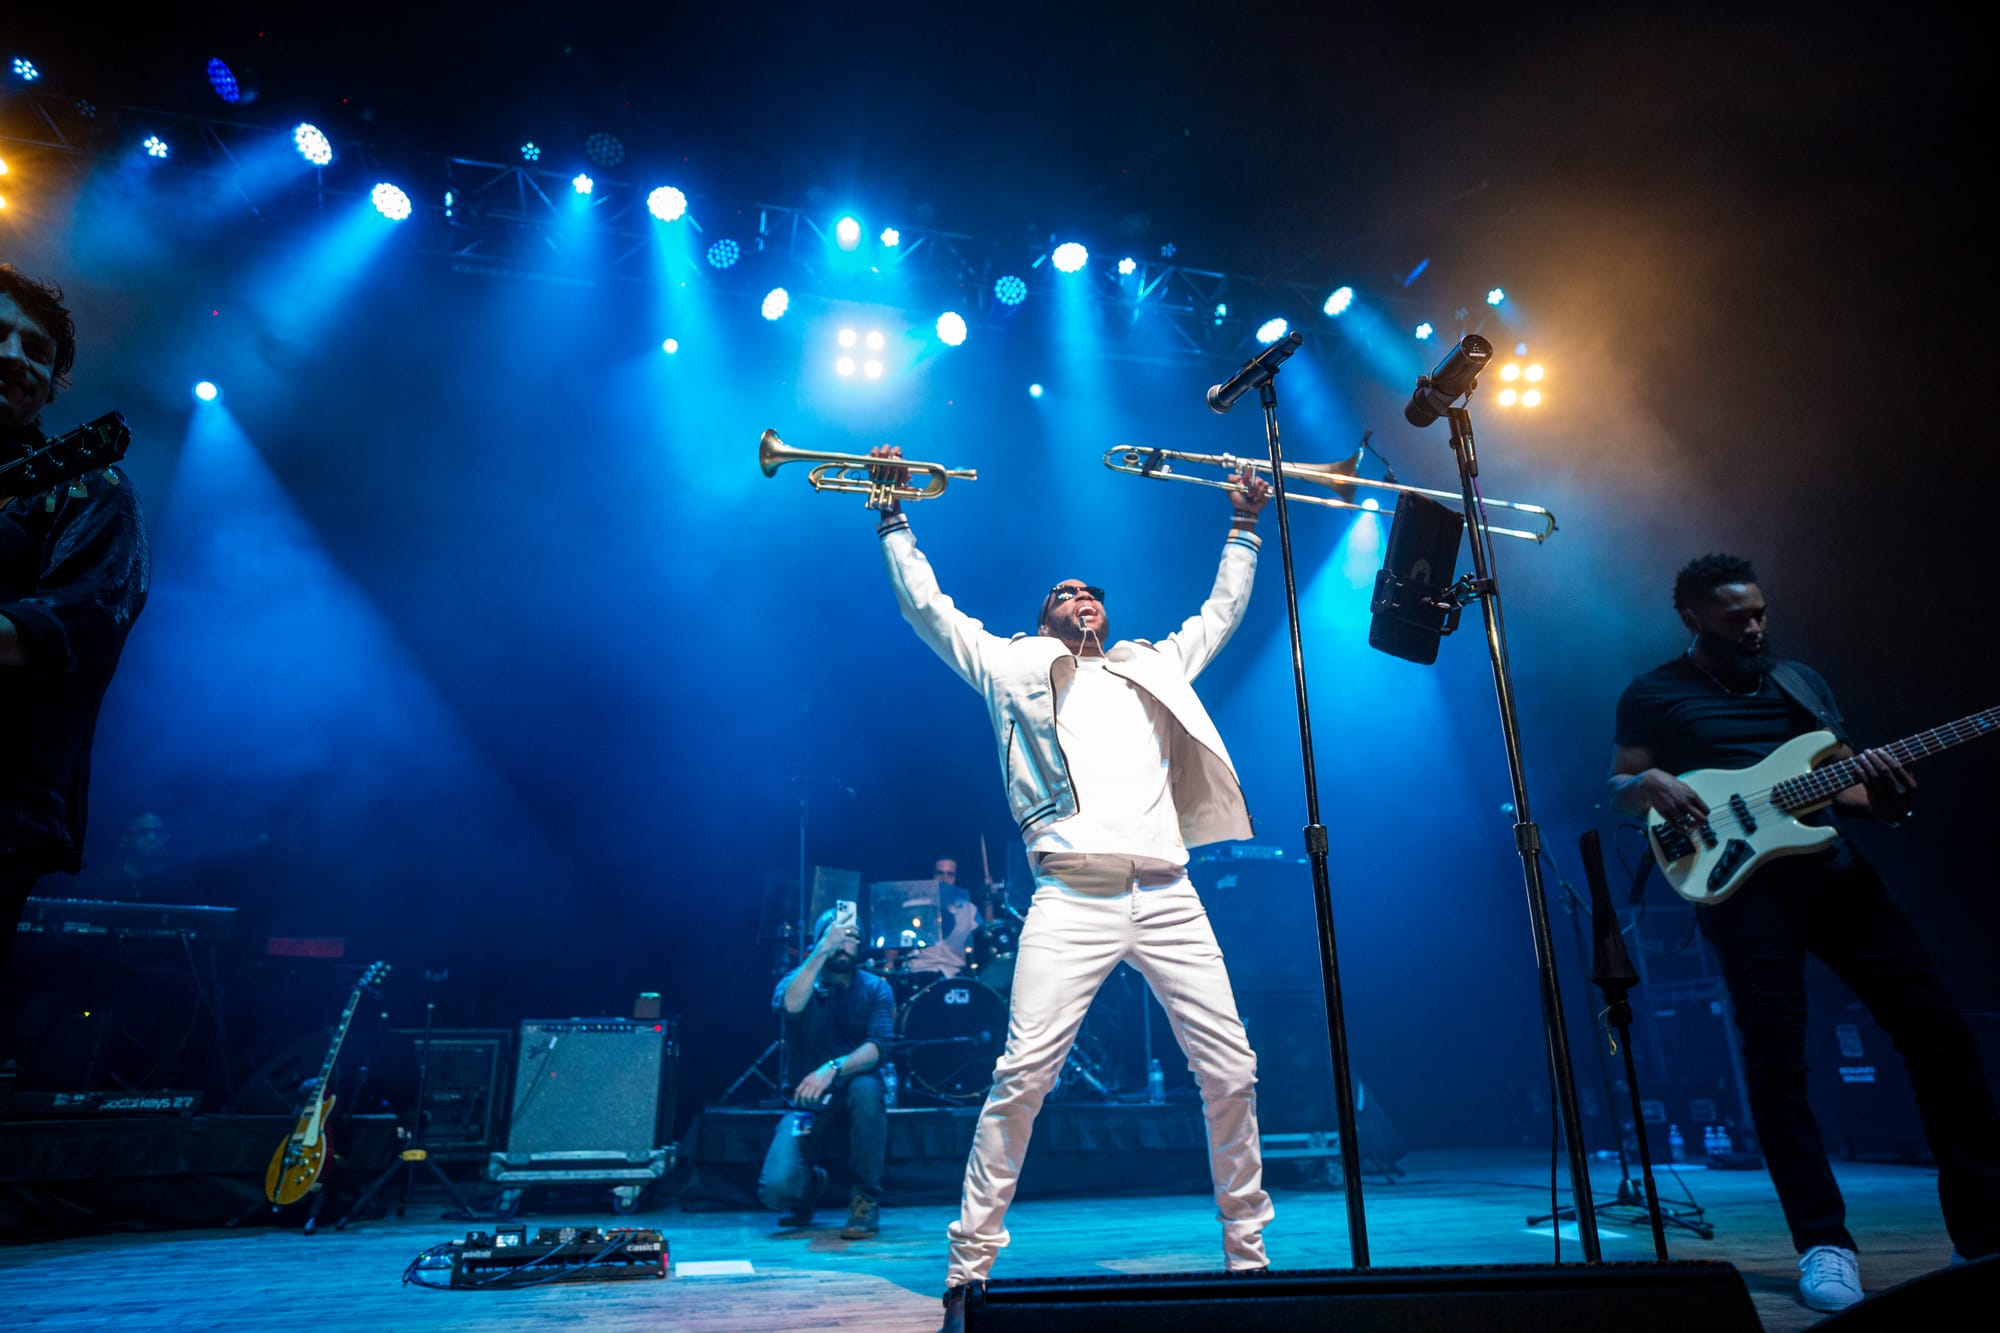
column 1829, row 1278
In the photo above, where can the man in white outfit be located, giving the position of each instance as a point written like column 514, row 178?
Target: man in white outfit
column 1113, row 771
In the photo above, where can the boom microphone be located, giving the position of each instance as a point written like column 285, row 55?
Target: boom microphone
column 1256, row 374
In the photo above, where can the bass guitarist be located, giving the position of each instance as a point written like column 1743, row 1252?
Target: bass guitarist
column 1727, row 702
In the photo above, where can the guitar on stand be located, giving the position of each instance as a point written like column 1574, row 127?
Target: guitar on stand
column 1753, row 812
column 295, row 1167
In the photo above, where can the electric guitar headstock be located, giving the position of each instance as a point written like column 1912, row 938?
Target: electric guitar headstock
column 67, row 460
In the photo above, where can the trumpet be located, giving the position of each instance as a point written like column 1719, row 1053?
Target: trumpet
column 1340, row 477
column 854, row 473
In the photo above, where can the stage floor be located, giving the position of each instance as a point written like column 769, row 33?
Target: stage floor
column 1451, row 1207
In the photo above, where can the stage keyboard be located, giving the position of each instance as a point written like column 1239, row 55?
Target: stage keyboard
column 94, row 920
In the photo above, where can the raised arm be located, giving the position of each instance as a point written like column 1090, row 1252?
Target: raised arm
column 960, row 640
column 1202, row 634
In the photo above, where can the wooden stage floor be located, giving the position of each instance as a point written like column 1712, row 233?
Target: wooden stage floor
column 1451, row 1207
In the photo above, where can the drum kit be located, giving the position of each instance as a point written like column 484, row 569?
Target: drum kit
column 950, row 1030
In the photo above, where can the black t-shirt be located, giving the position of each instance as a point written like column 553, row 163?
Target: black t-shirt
column 1686, row 719
column 72, row 579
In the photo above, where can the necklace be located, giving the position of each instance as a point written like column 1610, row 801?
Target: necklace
column 1740, row 694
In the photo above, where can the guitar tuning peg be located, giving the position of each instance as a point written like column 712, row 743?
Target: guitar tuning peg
column 79, row 491
column 49, row 503
column 111, row 477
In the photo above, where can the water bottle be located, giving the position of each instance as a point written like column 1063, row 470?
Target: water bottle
column 888, row 1085
column 1676, row 1145
column 1723, row 1147
column 1156, row 1083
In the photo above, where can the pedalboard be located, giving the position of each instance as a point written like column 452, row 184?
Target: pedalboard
column 509, row 1256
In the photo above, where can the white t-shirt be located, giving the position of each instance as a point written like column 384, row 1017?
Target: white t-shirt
column 1112, row 735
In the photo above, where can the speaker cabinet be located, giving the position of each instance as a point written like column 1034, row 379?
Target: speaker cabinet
column 591, row 1085
column 1632, row 1298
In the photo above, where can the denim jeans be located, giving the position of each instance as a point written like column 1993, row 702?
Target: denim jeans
column 859, row 1109
column 1834, row 906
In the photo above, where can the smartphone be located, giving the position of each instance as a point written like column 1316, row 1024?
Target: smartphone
column 845, row 915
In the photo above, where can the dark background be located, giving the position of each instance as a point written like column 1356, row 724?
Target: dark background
column 476, row 639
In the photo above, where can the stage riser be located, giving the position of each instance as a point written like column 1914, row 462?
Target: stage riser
column 1632, row 1298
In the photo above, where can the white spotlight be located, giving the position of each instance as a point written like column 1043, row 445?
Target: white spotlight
column 876, row 342
column 207, row 392
column 951, row 328
column 1337, row 303
column 848, row 232
column 667, row 204
column 1271, row 330
column 776, row 303
column 1069, row 257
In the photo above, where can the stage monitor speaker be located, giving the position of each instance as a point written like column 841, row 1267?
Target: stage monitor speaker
column 1941, row 1299
column 592, row 1085
column 1632, row 1298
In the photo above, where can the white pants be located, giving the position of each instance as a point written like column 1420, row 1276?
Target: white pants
column 1090, row 914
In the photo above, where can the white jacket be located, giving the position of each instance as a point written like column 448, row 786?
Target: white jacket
column 1022, row 677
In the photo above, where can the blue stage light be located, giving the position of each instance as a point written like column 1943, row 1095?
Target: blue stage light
column 1127, row 266
column 207, row 392
column 531, row 151
column 313, row 146
column 1424, row 330
column 724, row 253
column 844, row 367
column 1371, row 504
column 24, row 70
column 1271, row 330
column 155, row 146
column 847, row 231
column 667, row 204
column 891, row 238
column 583, row 184
column 223, row 80
column 951, row 328
column 1034, row 391
column 873, row 369
column 1222, row 309
column 1336, row 305
column 1010, row 290
column 1069, row 257
column 846, row 337
column 776, row 302
column 876, row 342
column 671, row 346
column 390, row 202
column 1496, row 296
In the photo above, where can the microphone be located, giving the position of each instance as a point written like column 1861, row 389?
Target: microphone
column 1452, row 378
column 1256, row 374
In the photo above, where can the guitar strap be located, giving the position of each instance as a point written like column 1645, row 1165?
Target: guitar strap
column 1796, row 689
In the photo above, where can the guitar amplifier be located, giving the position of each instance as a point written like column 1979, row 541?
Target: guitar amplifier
column 595, row 1085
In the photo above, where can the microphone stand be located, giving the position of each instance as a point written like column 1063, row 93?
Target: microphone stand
column 1316, row 850
column 1527, row 837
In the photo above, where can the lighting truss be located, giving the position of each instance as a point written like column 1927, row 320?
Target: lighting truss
column 515, row 220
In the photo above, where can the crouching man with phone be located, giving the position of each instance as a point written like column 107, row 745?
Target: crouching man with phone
column 838, row 1022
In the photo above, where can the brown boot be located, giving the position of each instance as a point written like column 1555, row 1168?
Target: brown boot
column 862, row 1218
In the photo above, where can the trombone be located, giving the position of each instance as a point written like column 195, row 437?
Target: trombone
column 1340, row 477
column 855, row 473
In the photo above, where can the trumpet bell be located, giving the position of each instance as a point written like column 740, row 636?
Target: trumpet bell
column 773, row 453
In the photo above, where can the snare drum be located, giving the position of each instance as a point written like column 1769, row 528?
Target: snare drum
column 949, row 1037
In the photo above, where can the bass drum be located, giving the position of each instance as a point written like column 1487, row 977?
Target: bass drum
column 949, row 1037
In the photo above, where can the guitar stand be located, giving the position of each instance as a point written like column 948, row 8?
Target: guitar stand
column 413, row 1151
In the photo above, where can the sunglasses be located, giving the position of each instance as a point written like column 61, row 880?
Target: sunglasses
column 1065, row 594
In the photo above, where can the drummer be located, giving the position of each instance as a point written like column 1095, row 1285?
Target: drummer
column 959, row 919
